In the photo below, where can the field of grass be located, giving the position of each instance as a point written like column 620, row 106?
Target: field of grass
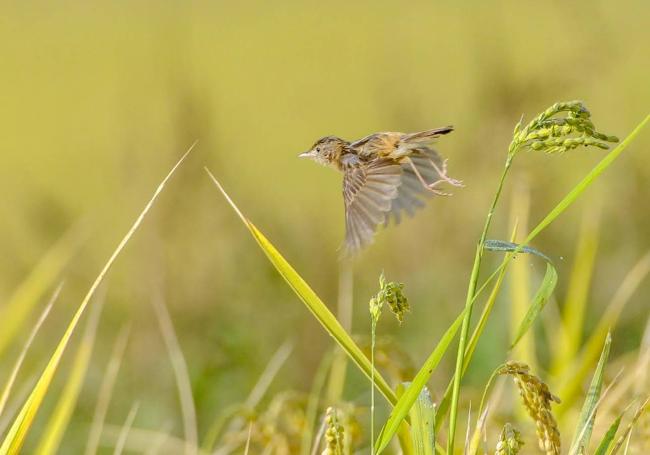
column 193, row 342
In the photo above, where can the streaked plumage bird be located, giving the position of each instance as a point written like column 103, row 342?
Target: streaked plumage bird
column 384, row 176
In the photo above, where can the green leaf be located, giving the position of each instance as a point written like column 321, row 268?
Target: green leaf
column 411, row 394
column 423, row 415
column 542, row 295
column 502, row 245
column 313, row 302
column 607, row 440
column 585, row 426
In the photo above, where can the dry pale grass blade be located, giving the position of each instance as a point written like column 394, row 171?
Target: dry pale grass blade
column 643, row 408
column 270, row 372
column 248, row 438
column 311, row 412
column 475, row 441
column 140, row 440
column 16, row 436
column 181, row 373
column 159, row 440
column 14, row 405
column 6, row 391
column 255, row 396
column 42, row 277
column 105, row 392
column 315, row 305
column 124, row 432
column 60, row 418
column 574, row 377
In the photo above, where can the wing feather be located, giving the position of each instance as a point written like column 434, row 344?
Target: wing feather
column 368, row 192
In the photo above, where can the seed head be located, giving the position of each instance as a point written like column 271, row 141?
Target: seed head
column 510, row 441
column 563, row 126
column 390, row 293
column 334, row 434
column 537, row 400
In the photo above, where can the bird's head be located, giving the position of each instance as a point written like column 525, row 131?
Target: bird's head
column 326, row 151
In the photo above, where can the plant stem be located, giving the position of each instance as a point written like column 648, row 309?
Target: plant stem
column 372, row 389
column 469, row 303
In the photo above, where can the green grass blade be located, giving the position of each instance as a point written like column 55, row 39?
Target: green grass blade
column 576, row 297
column 585, row 426
column 637, row 415
column 411, row 394
column 542, row 295
column 56, row 426
column 423, row 415
column 443, row 408
column 313, row 302
column 16, row 436
column 574, row 376
column 607, row 440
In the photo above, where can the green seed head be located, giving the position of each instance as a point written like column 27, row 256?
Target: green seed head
column 563, row 126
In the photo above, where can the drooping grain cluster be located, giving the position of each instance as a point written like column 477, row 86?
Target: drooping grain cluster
column 537, row 400
column 510, row 441
column 552, row 134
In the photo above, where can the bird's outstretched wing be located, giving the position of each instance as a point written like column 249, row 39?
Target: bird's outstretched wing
column 411, row 194
column 368, row 191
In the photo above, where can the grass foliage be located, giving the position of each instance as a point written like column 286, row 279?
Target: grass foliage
column 417, row 414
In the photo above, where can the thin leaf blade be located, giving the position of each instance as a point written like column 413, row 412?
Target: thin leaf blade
column 542, row 296
column 588, row 413
column 313, row 303
column 411, row 394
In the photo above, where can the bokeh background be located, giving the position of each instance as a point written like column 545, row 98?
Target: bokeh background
column 99, row 99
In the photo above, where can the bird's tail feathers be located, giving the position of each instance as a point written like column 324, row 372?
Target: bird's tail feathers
column 426, row 136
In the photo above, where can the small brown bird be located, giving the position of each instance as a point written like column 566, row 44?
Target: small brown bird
column 384, row 175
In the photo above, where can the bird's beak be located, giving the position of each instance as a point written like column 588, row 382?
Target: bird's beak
column 308, row 154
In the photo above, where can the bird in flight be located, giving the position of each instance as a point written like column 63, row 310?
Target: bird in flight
column 384, row 176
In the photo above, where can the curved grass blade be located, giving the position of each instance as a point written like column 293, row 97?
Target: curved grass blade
column 542, row 295
column 181, row 373
column 411, row 394
column 56, row 426
column 637, row 415
column 16, row 437
column 126, row 428
column 585, row 426
column 312, row 302
column 106, row 391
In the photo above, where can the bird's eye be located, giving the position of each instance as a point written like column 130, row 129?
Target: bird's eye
column 318, row 149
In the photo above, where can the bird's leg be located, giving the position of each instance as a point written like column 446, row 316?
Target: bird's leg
column 428, row 186
column 443, row 174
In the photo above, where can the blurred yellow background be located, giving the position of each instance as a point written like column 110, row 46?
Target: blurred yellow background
column 99, row 99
